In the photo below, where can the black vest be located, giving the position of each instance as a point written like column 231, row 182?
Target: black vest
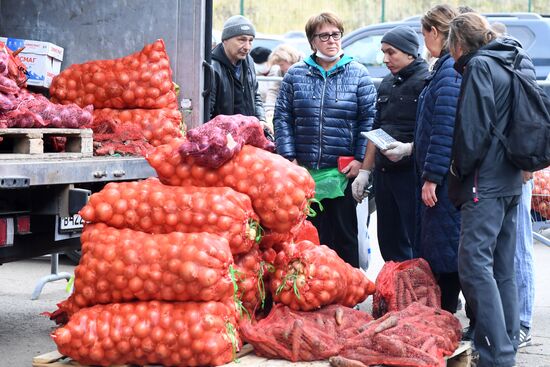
column 396, row 108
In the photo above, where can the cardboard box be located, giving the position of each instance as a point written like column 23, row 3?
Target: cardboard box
column 43, row 59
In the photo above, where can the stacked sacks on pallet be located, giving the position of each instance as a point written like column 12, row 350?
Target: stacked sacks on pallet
column 134, row 98
column 184, row 281
column 230, row 151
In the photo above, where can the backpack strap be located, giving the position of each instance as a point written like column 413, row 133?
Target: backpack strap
column 513, row 70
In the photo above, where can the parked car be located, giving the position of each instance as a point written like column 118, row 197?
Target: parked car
column 269, row 41
column 532, row 30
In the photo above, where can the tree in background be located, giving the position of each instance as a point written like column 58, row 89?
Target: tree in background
column 281, row 16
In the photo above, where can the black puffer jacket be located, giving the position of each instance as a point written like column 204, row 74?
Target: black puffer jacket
column 479, row 167
column 396, row 108
column 227, row 86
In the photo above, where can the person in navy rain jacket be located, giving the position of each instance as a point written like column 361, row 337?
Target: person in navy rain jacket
column 438, row 220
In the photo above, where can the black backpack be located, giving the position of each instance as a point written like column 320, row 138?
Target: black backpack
column 526, row 137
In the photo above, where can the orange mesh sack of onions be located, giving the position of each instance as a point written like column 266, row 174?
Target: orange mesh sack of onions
column 280, row 191
column 120, row 265
column 140, row 80
column 143, row 333
column 308, row 276
column 149, row 206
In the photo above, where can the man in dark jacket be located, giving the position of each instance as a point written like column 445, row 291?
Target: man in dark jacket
column 235, row 89
column 486, row 186
column 394, row 177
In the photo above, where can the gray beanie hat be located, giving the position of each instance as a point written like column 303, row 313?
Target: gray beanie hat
column 404, row 38
column 237, row 25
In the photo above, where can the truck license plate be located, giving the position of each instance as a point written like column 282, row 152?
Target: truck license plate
column 71, row 223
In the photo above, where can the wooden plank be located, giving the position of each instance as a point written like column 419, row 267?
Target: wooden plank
column 47, row 357
column 37, row 132
column 79, row 143
column 462, row 357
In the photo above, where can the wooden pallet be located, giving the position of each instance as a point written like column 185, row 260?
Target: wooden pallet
column 22, row 143
column 462, row 357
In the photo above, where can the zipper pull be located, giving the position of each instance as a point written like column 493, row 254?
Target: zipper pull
column 474, row 191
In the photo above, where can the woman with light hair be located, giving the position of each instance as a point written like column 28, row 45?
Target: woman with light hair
column 485, row 185
column 280, row 60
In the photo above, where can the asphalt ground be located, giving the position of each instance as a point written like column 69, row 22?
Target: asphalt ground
column 24, row 333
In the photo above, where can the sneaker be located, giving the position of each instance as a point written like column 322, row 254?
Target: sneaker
column 524, row 336
column 468, row 334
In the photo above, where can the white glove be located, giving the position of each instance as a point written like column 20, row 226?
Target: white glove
column 359, row 185
column 397, row 150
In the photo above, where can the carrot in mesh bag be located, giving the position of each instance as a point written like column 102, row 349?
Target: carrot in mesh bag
column 139, row 80
column 401, row 283
column 415, row 336
column 308, row 276
column 157, row 126
column 152, row 207
column 119, row 265
column 143, row 333
column 303, row 336
column 280, row 190
column 217, row 141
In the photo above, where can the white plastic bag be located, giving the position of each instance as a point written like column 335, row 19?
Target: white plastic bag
column 363, row 234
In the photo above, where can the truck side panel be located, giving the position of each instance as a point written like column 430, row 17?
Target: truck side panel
column 103, row 29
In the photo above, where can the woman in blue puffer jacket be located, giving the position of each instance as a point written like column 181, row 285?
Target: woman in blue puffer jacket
column 438, row 227
column 324, row 103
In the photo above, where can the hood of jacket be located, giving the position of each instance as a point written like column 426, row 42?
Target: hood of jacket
column 504, row 49
column 340, row 64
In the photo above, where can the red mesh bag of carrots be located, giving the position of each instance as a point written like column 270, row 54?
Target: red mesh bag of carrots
column 308, row 276
column 149, row 206
column 416, row 336
column 139, row 80
column 217, row 141
column 119, row 265
column 280, row 190
column 303, row 336
column 143, row 333
column 158, row 126
column 401, row 283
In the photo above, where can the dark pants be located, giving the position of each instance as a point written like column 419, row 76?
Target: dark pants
column 486, row 269
column 394, row 194
column 449, row 283
column 337, row 226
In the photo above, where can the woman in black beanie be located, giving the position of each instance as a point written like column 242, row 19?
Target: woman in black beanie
column 394, row 177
